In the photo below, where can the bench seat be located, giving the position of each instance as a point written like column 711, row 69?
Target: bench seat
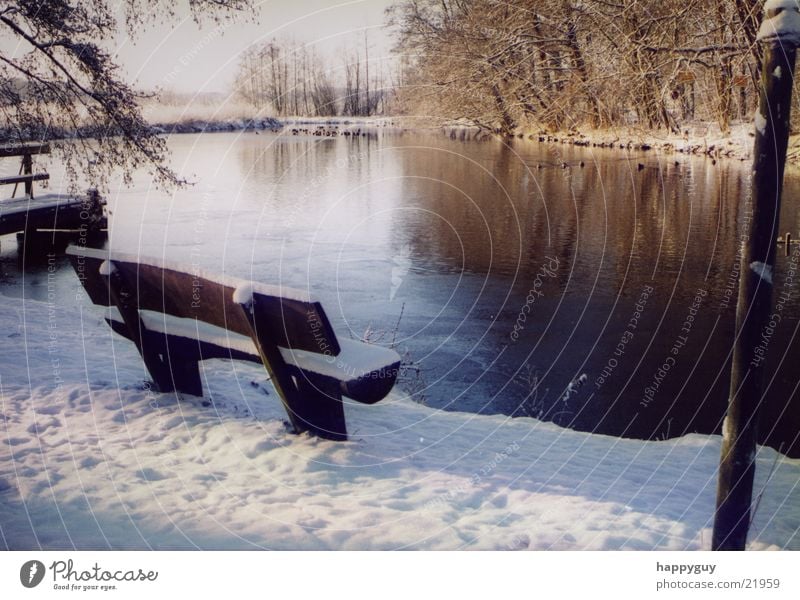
column 365, row 372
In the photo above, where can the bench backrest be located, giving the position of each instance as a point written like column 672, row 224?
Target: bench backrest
column 290, row 318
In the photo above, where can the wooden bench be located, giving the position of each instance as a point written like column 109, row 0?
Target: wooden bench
column 177, row 318
column 26, row 174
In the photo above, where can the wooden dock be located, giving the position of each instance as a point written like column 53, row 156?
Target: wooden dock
column 50, row 212
column 45, row 220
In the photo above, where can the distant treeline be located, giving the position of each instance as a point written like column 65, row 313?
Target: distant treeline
column 289, row 78
column 559, row 64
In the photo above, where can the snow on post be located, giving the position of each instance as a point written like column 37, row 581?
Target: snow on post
column 762, row 270
column 761, row 123
column 781, row 22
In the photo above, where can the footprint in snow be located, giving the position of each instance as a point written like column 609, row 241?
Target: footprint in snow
column 149, row 474
column 520, row 542
column 89, row 462
column 259, row 449
column 40, row 427
column 260, row 387
column 210, row 477
column 44, row 486
column 17, row 441
column 500, row 501
column 173, row 422
column 400, row 505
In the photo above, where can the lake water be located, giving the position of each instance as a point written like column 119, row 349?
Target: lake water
column 598, row 296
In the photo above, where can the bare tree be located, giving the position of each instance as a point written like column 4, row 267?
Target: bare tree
column 61, row 82
column 559, row 64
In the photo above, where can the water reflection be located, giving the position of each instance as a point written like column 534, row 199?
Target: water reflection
column 617, row 227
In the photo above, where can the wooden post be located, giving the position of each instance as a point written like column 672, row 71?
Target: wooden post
column 27, row 169
column 779, row 38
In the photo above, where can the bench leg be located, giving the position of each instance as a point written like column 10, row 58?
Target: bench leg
column 315, row 408
column 186, row 376
column 154, row 357
column 152, row 352
column 319, row 407
column 183, row 361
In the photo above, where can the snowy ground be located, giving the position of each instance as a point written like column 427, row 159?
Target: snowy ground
column 90, row 458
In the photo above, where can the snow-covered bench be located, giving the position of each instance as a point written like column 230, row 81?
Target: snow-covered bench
column 178, row 317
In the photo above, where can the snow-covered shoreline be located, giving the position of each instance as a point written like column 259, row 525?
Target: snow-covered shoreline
column 697, row 139
column 92, row 458
column 208, row 126
column 701, row 139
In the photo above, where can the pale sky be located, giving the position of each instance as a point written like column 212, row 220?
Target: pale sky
column 187, row 58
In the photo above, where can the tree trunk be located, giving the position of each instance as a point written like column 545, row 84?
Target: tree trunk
column 580, row 67
column 507, row 122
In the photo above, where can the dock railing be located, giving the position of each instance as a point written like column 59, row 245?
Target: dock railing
column 26, row 174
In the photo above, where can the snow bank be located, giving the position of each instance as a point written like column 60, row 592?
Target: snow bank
column 92, row 458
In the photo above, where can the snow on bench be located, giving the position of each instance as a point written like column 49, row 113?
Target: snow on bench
column 177, row 316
